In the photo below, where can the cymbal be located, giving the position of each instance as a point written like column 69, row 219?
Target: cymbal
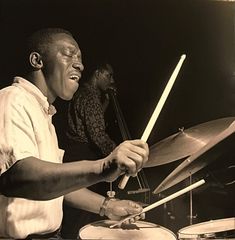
column 220, row 144
column 185, row 142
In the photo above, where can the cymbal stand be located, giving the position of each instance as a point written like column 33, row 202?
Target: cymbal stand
column 143, row 188
column 141, row 179
column 191, row 216
column 190, row 203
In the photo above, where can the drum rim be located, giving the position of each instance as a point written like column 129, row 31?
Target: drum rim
column 144, row 222
column 181, row 232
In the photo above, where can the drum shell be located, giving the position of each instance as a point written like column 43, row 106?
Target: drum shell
column 214, row 229
column 139, row 230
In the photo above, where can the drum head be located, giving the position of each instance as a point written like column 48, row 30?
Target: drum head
column 139, row 230
column 211, row 229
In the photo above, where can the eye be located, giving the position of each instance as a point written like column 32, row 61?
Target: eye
column 68, row 53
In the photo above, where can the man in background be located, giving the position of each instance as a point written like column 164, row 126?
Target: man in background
column 87, row 138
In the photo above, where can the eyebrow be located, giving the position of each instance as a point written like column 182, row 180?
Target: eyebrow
column 72, row 48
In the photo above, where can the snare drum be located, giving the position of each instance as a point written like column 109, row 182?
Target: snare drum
column 139, row 230
column 214, row 229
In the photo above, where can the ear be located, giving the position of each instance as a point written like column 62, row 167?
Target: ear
column 97, row 72
column 35, row 60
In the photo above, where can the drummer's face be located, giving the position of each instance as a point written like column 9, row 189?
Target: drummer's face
column 62, row 67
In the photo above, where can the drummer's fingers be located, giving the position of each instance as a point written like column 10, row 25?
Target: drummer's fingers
column 129, row 221
column 142, row 144
column 131, row 156
column 141, row 216
column 137, row 217
column 133, row 219
column 141, row 148
column 134, row 163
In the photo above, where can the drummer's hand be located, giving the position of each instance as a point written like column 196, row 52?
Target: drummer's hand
column 119, row 209
column 128, row 157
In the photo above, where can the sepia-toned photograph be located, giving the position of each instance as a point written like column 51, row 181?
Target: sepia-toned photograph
column 117, row 119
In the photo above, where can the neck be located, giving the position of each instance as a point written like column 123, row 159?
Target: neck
column 37, row 78
column 93, row 81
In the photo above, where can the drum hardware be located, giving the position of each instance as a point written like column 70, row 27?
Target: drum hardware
column 169, row 212
column 210, row 152
column 160, row 202
column 140, row 190
column 231, row 181
column 111, row 193
column 191, row 202
column 142, row 181
column 157, row 111
column 213, row 229
column 191, row 216
column 168, row 209
column 217, row 183
column 144, row 187
column 220, row 180
column 228, row 174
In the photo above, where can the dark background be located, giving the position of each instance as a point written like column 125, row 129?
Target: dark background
column 143, row 40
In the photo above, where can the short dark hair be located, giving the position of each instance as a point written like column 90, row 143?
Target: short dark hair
column 92, row 67
column 38, row 41
column 103, row 66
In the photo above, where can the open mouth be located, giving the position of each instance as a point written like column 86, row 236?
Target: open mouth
column 75, row 78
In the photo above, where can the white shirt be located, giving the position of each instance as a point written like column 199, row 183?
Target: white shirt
column 26, row 127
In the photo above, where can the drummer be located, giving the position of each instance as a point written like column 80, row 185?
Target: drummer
column 33, row 180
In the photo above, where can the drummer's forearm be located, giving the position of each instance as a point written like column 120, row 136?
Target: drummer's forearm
column 85, row 199
column 41, row 180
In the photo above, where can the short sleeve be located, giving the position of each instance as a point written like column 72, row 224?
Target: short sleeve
column 16, row 129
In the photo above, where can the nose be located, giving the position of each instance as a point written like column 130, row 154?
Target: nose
column 78, row 65
column 112, row 80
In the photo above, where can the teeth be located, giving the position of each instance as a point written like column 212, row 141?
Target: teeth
column 74, row 77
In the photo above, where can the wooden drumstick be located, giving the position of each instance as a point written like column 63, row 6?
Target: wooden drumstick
column 162, row 201
column 157, row 111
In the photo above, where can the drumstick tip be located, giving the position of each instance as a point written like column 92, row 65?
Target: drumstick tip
column 183, row 56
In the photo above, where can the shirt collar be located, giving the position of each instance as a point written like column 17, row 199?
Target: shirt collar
column 33, row 90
